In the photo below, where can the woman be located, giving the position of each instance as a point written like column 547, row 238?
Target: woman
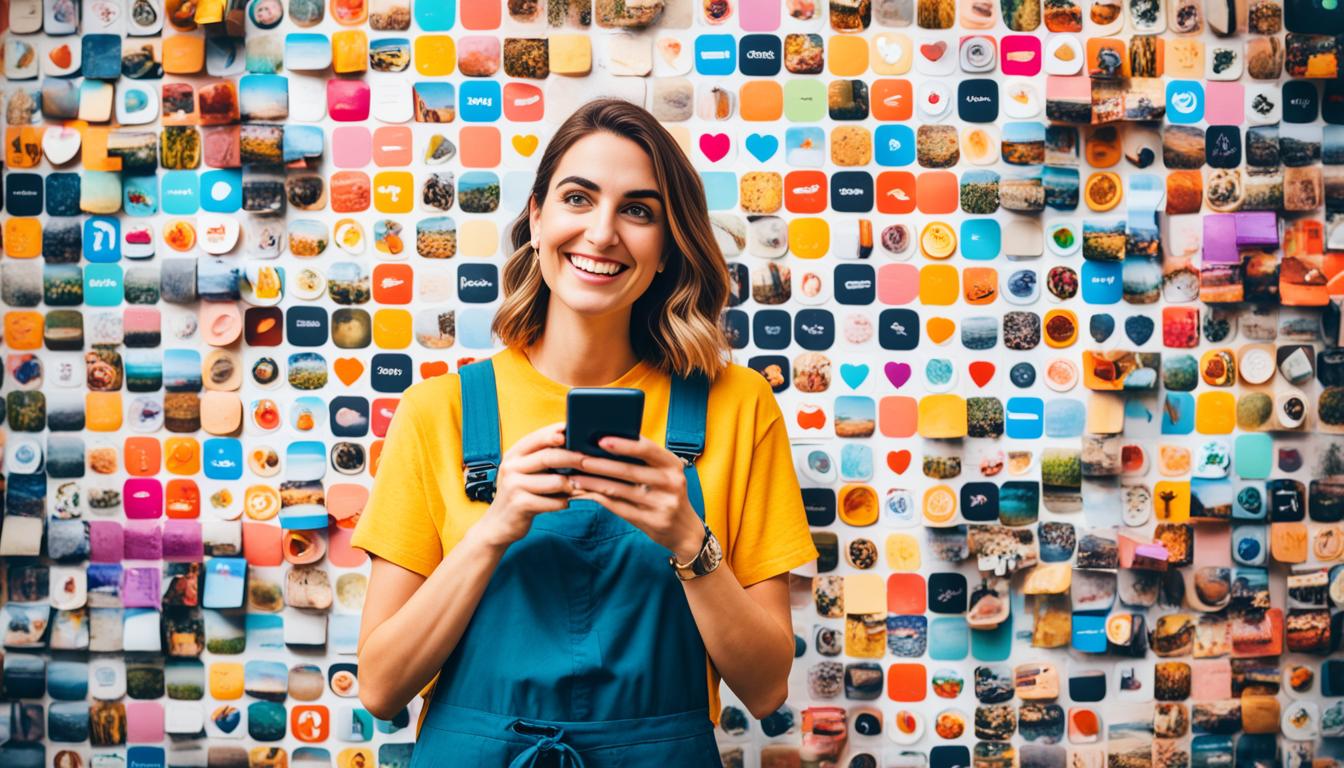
column 587, row 619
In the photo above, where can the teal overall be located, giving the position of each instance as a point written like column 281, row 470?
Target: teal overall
column 583, row 652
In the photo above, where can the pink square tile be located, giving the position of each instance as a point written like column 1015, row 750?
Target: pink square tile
column 348, row 100
column 351, row 146
column 144, row 722
column 1020, row 55
column 1224, row 103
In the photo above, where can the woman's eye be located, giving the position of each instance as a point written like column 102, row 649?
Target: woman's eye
column 572, row 196
column 641, row 211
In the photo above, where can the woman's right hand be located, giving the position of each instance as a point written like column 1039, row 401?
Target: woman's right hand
column 524, row 488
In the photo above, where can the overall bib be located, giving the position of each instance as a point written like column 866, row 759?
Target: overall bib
column 583, row 652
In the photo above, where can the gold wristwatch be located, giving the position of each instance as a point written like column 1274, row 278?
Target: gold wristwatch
column 709, row 557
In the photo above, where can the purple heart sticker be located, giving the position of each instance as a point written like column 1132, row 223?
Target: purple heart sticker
column 897, row 373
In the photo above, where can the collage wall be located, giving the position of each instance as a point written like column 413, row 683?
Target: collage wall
column 1048, row 292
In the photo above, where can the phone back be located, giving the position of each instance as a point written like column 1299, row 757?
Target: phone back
column 596, row 412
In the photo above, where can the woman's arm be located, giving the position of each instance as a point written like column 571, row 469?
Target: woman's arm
column 411, row 624
column 748, row 633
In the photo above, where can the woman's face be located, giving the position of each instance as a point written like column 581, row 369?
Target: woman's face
column 599, row 234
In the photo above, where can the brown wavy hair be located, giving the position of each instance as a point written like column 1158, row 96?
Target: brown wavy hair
column 674, row 325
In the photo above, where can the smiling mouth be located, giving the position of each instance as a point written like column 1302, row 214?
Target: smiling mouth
column 593, row 266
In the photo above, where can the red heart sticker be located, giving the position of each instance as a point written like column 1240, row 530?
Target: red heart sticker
column 981, row 372
column 899, row 461
column 933, row 51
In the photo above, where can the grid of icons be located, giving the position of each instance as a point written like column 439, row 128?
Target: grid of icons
column 1048, row 290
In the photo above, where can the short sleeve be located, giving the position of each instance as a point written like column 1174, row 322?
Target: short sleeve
column 770, row 535
column 397, row 523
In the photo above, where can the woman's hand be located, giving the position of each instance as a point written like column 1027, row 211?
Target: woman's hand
column 652, row 497
column 524, row 488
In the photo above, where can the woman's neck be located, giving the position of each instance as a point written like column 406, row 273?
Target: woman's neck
column 583, row 351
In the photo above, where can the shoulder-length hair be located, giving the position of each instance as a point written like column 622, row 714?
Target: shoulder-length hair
column 674, row 325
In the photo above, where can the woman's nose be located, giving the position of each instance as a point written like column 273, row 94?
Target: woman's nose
column 602, row 228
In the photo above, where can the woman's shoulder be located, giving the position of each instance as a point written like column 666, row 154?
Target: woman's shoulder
column 435, row 395
column 743, row 390
column 743, row 381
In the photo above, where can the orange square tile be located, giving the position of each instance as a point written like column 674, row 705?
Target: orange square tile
column 183, row 498
column 23, row 329
column 907, row 682
column 262, row 544
column 897, row 416
column 393, row 146
column 938, row 285
column 848, row 55
column 936, row 192
column 805, row 192
column 892, row 99
column 23, row 238
column 895, row 192
column 393, row 283
column 102, row 411
column 981, row 285
column 480, row 145
column 906, row 593
column 142, row 456
column 761, row 100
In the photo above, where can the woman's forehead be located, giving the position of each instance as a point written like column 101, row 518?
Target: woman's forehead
column 613, row 163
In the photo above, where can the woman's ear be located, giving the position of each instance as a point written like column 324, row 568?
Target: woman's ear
column 534, row 221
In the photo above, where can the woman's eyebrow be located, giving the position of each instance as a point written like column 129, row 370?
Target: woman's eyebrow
column 593, row 187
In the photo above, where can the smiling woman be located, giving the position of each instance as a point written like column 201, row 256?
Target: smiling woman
column 588, row 616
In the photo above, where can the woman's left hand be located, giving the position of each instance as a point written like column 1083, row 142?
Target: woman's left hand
column 652, row 496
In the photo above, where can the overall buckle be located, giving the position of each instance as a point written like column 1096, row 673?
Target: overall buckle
column 480, row 481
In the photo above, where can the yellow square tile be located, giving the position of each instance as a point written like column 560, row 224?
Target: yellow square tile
column 392, row 328
column 1105, row 413
column 1184, row 58
column 102, row 411
column 571, row 54
column 1171, row 501
column 1215, row 413
column 903, row 553
column 939, row 285
column 809, row 237
column 942, row 416
column 434, row 55
column 478, row 238
column 349, row 51
column 865, row 593
column 394, row 192
column 226, row 681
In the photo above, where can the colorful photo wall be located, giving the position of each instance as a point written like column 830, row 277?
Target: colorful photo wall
column 1048, row 291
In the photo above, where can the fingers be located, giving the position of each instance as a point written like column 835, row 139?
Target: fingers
column 615, row 489
column 621, row 470
column 547, row 436
column 643, row 449
column 547, row 458
column 544, row 484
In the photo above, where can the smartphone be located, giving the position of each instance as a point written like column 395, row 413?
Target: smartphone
column 593, row 413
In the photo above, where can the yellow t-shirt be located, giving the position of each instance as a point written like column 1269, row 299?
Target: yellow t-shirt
column 418, row 508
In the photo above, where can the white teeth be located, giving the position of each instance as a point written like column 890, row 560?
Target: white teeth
column 594, row 266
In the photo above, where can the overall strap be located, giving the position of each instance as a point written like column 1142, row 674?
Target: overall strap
column 686, row 416
column 480, row 429
column 686, row 430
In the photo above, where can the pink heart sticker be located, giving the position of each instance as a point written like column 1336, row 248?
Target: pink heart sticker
column 714, row 145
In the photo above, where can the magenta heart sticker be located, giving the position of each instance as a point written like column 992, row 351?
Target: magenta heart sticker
column 897, row 373
column 714, row 145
